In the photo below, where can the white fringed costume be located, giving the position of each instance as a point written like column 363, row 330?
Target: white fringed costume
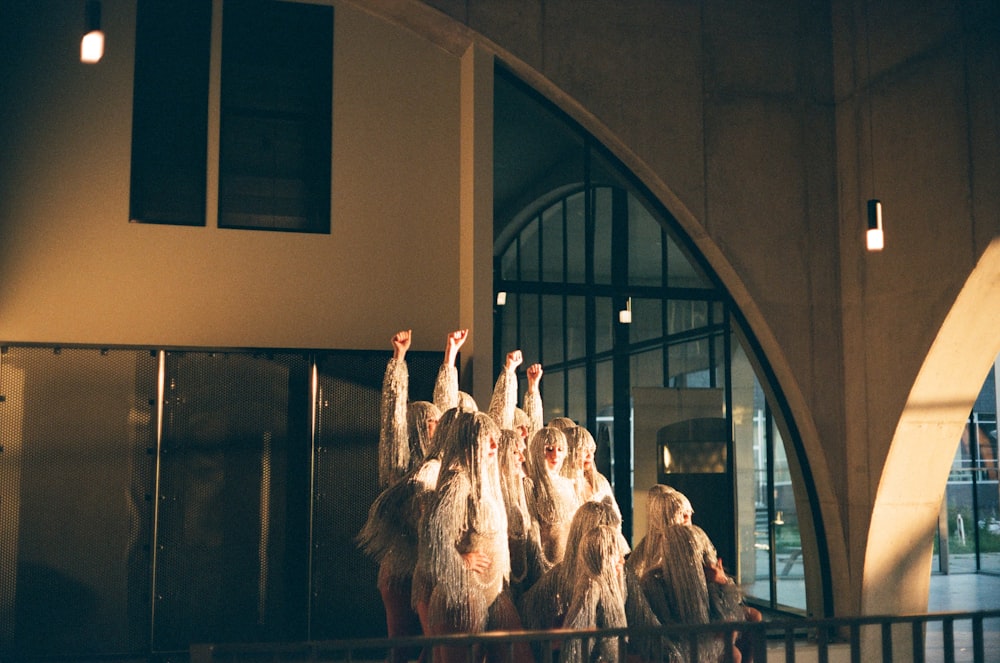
column 467, row 516
column 598, row 597
column 552, row 499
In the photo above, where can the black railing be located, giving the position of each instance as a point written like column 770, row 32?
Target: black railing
column 951, row 637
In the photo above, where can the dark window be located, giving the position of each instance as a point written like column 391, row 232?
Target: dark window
column 170, row 112
column 275, row 118
column 274, row 171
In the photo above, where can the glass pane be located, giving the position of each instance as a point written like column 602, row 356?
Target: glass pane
column 553, row 394
column 605, row 418
column 602, row 235
column 688, row 364
column 681, row 273
column 791, row 584
column 685, row 315
column 576, row 328
column 528, row 327
column 647, row 368
column 275, row 136
column 508, row 263
column 552, row 332
column 170, row 112
column 528, row 240
column 647, row 320
column 988, row 517
column 552, row 244
column 645, row 246
column 607, row 316
column 576, row 239
column 750, row 451
column 577, row 395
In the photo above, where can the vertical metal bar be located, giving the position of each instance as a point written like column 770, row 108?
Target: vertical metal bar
column 161, row 371
column 314, row 430
column 855, row 643
column 978, row 648
column 887, row 642
column 917, row 636
column 822, row 644
column 265, row 530
column 948, row 631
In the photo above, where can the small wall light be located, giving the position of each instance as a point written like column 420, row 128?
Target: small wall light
column 92, row 44
column 501, row 298
column 874, row 237
column 625, row 315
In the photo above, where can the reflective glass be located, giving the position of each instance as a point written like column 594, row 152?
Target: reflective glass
column 647, row 368
column 552, row 332
column 647, row 320
column 602, row 235
column 607, row 318
column 645, row 246
column 576, row 405
column 552, row 244
column 576, row 239
column 576, row 327
column 528, row 239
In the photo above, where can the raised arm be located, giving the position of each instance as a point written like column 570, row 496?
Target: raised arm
column 393, row 440
column 446, row 384
column 504, row 398
column 533, row 398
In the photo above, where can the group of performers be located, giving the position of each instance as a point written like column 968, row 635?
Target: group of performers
column 493, row 520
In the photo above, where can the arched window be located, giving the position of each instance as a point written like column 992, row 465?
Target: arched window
column 641, row 344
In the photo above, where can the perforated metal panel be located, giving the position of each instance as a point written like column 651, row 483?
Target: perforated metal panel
column 229, row 519
column 76, row 430
column 234, row 458
column 346, row 602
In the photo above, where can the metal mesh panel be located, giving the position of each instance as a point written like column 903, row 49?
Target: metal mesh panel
column 232, row 500
column 76, row 429
column 345, row 599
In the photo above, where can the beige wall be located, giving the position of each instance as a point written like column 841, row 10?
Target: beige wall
column 74, row 270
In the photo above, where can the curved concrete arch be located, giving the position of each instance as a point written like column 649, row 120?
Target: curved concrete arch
column 899, row 550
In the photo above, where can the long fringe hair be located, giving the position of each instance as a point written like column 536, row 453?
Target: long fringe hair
column 549, row 506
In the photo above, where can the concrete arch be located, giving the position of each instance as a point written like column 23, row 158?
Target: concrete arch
column 899, row 551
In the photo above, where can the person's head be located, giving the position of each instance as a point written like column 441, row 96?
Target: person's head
column 667, row 506
column 588, row 516
column 548, row 447
column 511, row 454
column 467, row 402
column 522, row 423
column 443, row 431
column 562, row 423
column 600, row 552
column 582, row 447
column 421, row 418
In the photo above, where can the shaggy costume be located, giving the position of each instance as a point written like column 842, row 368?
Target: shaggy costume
column 598, row 597
column 389, row 535
column 526, row 561
column 544, row 606
column 553, row 499
column 403, row 431
column 590, row 484
column 466, row 518
column 678, row 593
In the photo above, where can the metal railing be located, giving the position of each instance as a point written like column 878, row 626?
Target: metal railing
column 949, row 637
